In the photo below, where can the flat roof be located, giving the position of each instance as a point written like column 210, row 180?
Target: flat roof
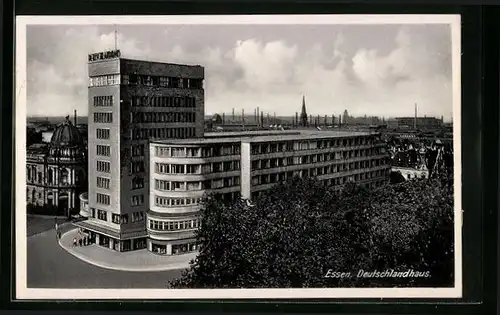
column 160, row 62
column 263, row 136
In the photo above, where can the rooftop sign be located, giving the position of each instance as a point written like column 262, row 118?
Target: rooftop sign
column 104, row 55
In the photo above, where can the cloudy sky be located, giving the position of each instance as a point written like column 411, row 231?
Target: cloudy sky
column 378, row 70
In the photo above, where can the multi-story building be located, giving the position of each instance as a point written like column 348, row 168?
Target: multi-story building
column 56, row 172
column 418, row 122
column 246, row 164
column 131, row 102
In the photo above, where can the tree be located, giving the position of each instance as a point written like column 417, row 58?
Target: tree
column 299, row 230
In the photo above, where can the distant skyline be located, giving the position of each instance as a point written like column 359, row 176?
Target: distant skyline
column 373, row 70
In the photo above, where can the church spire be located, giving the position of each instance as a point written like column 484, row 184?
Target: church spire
column 303, row 114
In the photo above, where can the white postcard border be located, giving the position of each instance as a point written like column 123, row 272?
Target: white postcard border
column 25, row 293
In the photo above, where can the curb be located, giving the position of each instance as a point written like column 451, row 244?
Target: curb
column 177, row 266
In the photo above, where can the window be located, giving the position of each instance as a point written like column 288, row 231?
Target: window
column 103, row 100
column 103, row 150
column 193, row 169
column 162, row 185
column 115, row 218
column 103, row 166
column 103, row 199
column 137, row 200
column 137, row 216
column 125, row 79
column 137, row 167
column 103, row 118
column 103, row 182
column 102, row 133
column 102, row 215
column 193, row 185
column 137, row 183
column 104, row 80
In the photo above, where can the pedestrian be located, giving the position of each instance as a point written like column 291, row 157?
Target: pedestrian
column 85, row 241
column 80, row 242
column 74, row 242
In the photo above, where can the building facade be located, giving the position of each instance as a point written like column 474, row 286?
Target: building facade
column 412, row 122
column 245, row 164
column 130, row 103
column 56, row 172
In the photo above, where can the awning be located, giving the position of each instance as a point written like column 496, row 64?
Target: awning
column 85, row 224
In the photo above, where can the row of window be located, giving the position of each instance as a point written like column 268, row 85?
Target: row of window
column 176, row 186
column 51, row 175
column 174, row 226
column 284, row 176
column 104, row 80
column 162, row 133
column 103, row 182
column 212, row 151
column 103, row 150
column 162, row 117
column 164, row 101
column 265, row 148
column 102, row 133
column 198, row 185
column 103, row 118
column 308, row 159
column 216, row 167
column 165, row 202
column 103, row 100
column 103, row 166
column 116, row 218
column 162, row 81
column 103, row 199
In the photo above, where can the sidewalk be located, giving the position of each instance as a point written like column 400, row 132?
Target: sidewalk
column 138, row 260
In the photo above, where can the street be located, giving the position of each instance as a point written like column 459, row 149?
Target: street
column 50, row 266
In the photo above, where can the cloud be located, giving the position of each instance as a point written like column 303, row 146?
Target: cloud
column 337, row 72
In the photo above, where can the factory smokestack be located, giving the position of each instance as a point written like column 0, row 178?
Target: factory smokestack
column 233, row 115
column 258, row 115
column 75, row 117
column 415, row 121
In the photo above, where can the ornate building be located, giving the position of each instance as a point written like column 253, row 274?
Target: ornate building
column 56, row 172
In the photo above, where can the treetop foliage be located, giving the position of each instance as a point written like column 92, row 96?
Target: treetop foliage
column 294, row 233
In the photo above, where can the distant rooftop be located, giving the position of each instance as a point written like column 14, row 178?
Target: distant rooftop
column 262, row 136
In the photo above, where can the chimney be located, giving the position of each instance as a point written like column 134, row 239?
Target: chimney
column 233, row 115
column 268, row 119
column 223, row 118
column 75, row 117
column 261, row 119
column 296, row 119
column 340, row 120
column 274, row 118
column 243, row 117
column 258, row 115
column 333, row 120
column 415, row 122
